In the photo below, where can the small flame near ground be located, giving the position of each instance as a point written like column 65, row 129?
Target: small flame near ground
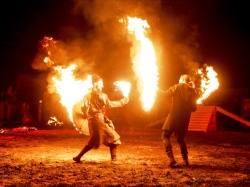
column 53, row 121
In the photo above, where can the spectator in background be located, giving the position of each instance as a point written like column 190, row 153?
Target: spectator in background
column 2, row 95
column 10, row 95
column 10, row 106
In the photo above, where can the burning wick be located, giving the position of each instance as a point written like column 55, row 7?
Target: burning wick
column 124, row 87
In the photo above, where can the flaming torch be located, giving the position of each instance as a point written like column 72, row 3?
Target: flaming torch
column 144, row 62
column 209, row 82
column 124, row 87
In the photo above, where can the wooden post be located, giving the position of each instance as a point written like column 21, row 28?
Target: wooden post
column 40, row 109
column 1, row 113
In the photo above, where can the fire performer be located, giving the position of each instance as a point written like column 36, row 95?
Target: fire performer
column 101, row 128
column 183, row 104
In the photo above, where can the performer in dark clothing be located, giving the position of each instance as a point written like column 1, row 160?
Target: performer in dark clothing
column 183, row 104
column 101, row 129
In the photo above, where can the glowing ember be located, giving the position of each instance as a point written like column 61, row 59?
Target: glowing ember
column 124, row 87
column 209, row 82
column 48, row 43
column 144, row 62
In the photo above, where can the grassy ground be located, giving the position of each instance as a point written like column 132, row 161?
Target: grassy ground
column 44, row 158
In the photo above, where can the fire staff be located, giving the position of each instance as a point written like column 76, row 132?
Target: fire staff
column 183, row 104
column 101, row 129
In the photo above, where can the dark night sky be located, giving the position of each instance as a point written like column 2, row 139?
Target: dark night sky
column 185, row 33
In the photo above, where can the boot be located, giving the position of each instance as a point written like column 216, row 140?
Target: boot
column 185, row 159
column 83, row 151
column 113, row 152
column 172, row 163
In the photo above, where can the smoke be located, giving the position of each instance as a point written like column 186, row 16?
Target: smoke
column 187, row 51
column 95, row 39
column 100, row 12
column 97, row 42
column 100, row 45
column 181, row 37
column 108, row 36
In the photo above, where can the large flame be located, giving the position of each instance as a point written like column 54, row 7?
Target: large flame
column 144, row 62
column 209, row 82
column 64, row 81
column 70, row 90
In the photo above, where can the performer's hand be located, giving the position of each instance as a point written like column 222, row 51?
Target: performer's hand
column 125, row 100
column 112, row 126
column 160, row 91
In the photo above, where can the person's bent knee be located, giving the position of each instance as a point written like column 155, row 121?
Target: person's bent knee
column 166, row 134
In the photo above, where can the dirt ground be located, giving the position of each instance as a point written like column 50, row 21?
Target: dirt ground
column 44, row 158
